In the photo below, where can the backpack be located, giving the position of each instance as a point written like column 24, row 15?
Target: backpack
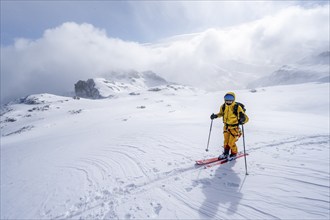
column 235, row 108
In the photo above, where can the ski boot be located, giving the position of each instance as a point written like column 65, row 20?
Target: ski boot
column 224, row 155
column 232, row 156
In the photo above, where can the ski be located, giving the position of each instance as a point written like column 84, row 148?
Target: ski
column 225, row 160
column 207, row 161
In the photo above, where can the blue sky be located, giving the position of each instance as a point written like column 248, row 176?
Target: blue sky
column 141, row 21
column 29, row 19
column 47, row 46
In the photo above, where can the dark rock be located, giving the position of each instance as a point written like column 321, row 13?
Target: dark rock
column 86, row 89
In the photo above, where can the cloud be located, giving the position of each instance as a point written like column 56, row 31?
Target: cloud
column 62, row 56
column 215, row 58
column 179, row 17
column 264, row 44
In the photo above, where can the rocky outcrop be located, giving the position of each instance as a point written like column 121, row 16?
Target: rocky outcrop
column 86, row 89
column 114, row 83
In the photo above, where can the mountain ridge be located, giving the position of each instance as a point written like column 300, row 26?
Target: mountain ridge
column 115, row 83
column 309, row 69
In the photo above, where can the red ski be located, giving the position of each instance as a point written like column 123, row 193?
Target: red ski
column 207, row 161
column 225, row 160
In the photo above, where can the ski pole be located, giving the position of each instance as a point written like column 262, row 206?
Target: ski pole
column 208, row 141
column 246, row 173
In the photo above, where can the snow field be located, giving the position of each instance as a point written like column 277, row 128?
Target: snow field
column 132, row 157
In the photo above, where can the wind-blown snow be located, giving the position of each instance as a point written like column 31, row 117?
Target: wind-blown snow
column 309, row 69
column 132, row 157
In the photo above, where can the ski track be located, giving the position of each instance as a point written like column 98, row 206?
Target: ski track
column 95, row 169
column 256, row 211
column 173, row 183
column 200, row 193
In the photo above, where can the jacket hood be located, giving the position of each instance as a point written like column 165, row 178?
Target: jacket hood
column 231, row 93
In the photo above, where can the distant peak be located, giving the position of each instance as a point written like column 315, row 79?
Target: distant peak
column 118, row 82
column 324, row 54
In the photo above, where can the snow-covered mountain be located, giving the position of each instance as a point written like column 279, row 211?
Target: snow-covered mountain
column 133, row 157
column 309, row 69
column 118, row 82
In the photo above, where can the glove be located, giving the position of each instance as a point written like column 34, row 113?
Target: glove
column 241, row 121
column 213, row 116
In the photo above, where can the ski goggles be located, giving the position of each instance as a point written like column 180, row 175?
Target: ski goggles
column 229, row 97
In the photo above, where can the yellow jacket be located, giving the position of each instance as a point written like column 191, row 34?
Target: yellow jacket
column 229, row 118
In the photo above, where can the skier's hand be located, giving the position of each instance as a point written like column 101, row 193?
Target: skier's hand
column 213, row 116
column 241, row 121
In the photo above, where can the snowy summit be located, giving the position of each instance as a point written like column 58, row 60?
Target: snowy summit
column 132, row 82
column 310, row 69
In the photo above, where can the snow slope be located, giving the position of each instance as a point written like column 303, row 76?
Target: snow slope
column 309, row 69
column 132, row 157
column 118, row 82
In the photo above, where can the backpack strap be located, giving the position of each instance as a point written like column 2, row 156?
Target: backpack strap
column 223, row 108
column 236, row 109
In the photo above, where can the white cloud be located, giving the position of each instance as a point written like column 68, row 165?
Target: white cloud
column 73, row 51
column 266, row 43
column 61, row 57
